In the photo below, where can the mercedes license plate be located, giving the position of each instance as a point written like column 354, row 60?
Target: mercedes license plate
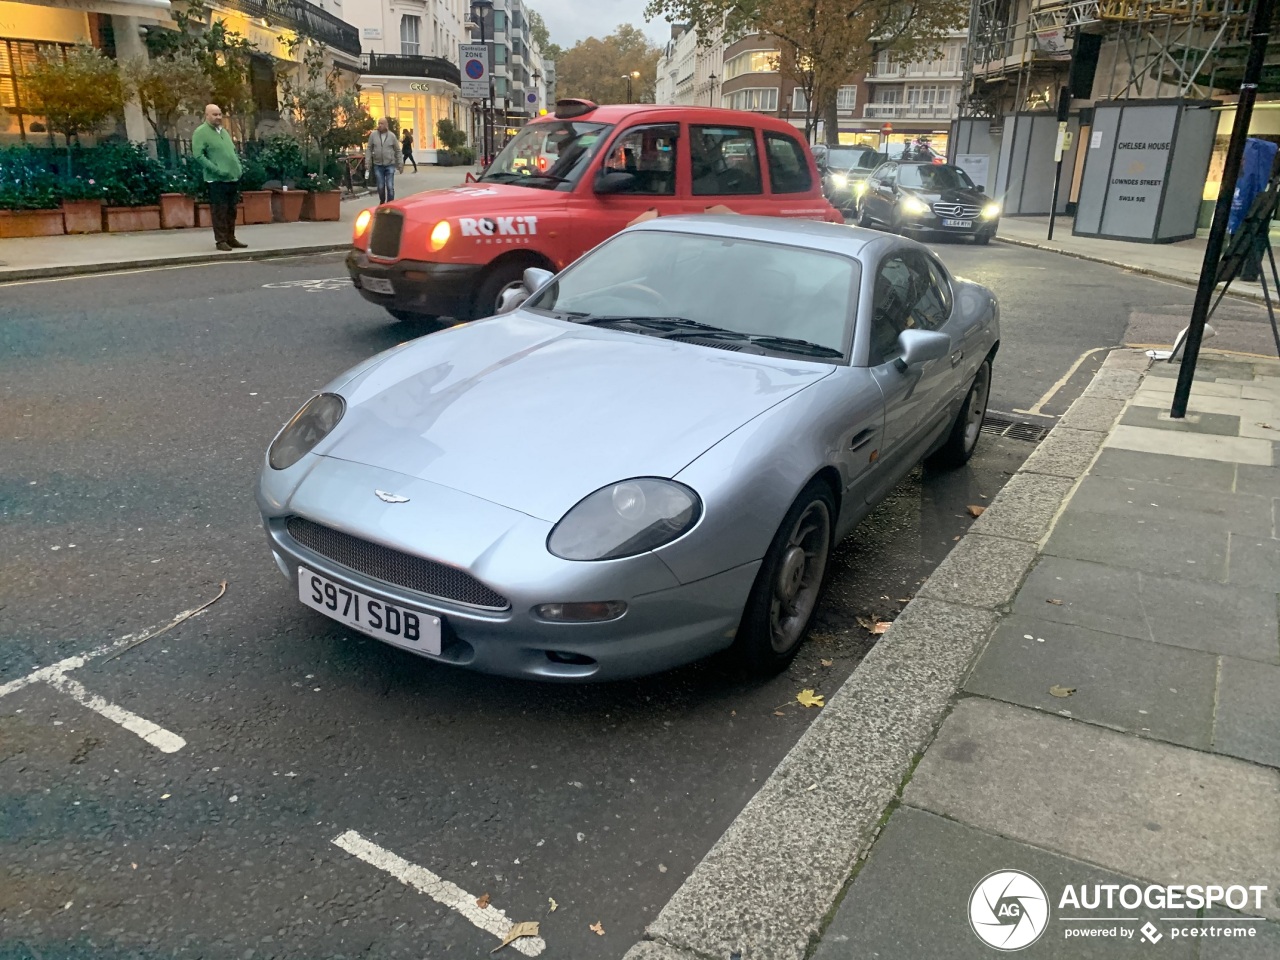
column 957, row 223
column 378, row 285
column 388, row 622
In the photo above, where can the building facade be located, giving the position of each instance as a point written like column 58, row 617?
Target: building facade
column 908, row 100
column 519, row 70
column 689, row 73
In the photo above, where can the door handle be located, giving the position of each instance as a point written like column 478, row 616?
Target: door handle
column 862, row 438
column 957, row 357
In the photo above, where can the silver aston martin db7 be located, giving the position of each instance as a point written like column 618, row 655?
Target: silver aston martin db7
column 645, row 459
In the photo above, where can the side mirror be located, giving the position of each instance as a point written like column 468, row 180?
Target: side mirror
column 615, row 182
column 921, row 346
column 981, row 188
column 535, row 278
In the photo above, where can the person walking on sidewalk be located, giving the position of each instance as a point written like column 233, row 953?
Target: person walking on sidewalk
column 407, row 143
column 382, row 155
column 214, row 150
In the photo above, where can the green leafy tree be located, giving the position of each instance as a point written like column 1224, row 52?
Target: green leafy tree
column 167, row 88
column 825, row 42
column 597, row 70
column 328, row 117
column 542, row 36
column 76, row 93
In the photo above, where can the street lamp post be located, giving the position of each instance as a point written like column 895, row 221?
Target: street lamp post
column 479, row 9
column 633, row 75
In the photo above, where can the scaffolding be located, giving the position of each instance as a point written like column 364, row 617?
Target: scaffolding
column 1177, row 48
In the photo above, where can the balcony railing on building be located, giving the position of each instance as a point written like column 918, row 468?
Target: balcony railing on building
column 936, row 69
column 404, row 65
column 909, row 111
column 303, row 17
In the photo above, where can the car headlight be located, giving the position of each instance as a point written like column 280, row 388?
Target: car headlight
column 309, row 426
column 625, row 519
column 914, row 206
column 363, row 219
column 860, row 187
column 840, row 180
column 440, row 234
column 991, row 211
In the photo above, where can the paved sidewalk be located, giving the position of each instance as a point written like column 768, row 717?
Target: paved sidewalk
column 61, row 256
column 1086, row 690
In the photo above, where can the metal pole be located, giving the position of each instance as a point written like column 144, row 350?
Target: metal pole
column 1260, row 27
column 1064, row 111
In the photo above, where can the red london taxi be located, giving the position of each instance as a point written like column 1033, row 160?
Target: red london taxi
column 567, row 182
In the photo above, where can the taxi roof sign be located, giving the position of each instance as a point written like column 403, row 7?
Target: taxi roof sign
column 568, row 109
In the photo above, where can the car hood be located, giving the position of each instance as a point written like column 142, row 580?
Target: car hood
column 477, row 199
column 534, row 413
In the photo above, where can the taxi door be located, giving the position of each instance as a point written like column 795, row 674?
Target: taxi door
column 637, row 178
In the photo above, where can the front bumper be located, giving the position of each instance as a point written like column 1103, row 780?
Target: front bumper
column 932, row 225
column 667, row 623
column 437, row 289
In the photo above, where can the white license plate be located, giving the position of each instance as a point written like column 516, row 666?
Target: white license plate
column 384, row 621
column 957, row 223
column 378, row 285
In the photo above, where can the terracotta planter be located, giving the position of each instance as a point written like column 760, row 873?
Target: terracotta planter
column 177, row 211
column 82, row 216
column 323, row 206
column 31, row 223
column 286, row 205
column 256, row 205
column 203, row 219
column 131, row 219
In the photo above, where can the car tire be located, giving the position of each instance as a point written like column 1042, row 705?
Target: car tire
column 982, row 240
column 963, row 438
column 780, row 606
column 864, row 218
column 495, row 282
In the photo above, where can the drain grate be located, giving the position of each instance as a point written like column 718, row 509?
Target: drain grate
column 1003, row 425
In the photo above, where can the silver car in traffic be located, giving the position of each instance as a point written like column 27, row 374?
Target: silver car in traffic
column 648, row 460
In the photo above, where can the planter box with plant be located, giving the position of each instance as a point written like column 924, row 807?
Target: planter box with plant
column 131, row 219
column 29, row 198
column 81, row 204
column 254, row 201
column 131, row 182
column 323, row 199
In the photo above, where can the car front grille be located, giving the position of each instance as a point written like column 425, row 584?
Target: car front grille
column 384, row 241
column 956, row 211
column 392, row 566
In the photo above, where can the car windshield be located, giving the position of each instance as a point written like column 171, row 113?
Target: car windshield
column 934, row 176
column 847, row 158
column 741, row 288
column 547, row 155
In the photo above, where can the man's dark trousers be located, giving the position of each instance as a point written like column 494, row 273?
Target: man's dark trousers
column 223, row 197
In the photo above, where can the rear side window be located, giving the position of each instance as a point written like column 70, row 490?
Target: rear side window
column 725, row 161
column 788, row 165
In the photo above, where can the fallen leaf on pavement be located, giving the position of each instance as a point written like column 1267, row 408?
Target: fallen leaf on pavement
column 527, row 929
column 733, row 713
column 553, row 905
column 955, row 538
column 482, row 901
column 1058, row 691
column 1056, row 603
column 778, row 713
column 827, row 663
column 1265, row 426
column 866, row 623
column 976, row 511
column 807, row 698
column 597, row 928
column 882, row 627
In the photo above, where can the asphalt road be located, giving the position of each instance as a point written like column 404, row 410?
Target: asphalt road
column 134, row 410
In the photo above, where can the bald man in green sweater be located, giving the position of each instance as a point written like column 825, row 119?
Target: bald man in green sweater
column 215, row 151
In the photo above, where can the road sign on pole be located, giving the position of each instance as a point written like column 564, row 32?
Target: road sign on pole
column 474, row 58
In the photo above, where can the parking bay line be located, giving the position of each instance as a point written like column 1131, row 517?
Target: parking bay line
column 489, row 919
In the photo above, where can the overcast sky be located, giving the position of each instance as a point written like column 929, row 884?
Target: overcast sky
column 569, row 21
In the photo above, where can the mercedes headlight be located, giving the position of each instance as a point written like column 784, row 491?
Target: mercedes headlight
column 991, row 211
column 860, row 187
column 840, row 180
column 309, row 426
column 625, row 519
column 914, row 206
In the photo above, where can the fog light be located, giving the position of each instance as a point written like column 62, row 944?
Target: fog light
column 594, row 612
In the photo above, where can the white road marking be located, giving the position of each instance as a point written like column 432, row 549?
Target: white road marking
column 157, row 736
column 490, row 919
column 55, row 676
column 1062, row 382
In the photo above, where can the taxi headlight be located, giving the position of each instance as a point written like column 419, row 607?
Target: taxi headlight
column 625, row 519
column 991, row 211
column 362, row 222
column 309, row 426
column 440, row 234
column 839, row 179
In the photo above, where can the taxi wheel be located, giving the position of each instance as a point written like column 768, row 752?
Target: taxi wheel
column 501, row 278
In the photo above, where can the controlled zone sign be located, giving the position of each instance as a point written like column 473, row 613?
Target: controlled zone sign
column 474, row 58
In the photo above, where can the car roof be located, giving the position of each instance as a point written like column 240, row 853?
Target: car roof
column 619, row 112
column 850, row 241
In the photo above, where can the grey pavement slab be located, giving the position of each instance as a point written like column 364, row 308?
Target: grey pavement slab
column 1163, row 468
column 651, row 950
column 1092, row 413
column 1207, row 368
column 1113, row 384
column 980, row 572
column 1146, row 809
column 1024, row 508
column 1248, row 717
column 1167, row 505
column 1255, row 561
column 1263, row 481
column 1064, row 453
column 766, row 885
column 1217, row 424
column 1184, row 613
column 1138, row 686
column 911, row 899
column 1195, row 549
column 1264, row 944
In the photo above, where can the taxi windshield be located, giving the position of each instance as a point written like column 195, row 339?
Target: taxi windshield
column 547, row 155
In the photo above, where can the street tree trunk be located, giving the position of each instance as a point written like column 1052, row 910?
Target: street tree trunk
column 831, row 119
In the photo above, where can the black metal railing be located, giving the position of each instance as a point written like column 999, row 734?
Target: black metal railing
column 405, row 65
column 306, row 18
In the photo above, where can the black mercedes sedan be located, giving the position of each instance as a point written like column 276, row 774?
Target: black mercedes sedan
column 935, row 199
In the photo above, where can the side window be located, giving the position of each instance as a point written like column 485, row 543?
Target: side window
column 943, row 284
column 889, row 174
column 788, row 165
column 648, row 154
column 725, row 161
column 907, row 297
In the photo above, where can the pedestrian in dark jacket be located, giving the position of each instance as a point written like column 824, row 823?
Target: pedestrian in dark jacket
column 407, row 143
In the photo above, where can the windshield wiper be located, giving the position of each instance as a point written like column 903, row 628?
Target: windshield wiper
column 669, row 324
column 776, row 343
